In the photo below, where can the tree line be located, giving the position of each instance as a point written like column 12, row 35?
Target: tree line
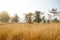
column 30, row 17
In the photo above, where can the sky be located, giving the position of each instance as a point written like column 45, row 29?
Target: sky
column 21, row 7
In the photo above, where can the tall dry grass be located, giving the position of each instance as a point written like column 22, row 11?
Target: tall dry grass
column 24, row 31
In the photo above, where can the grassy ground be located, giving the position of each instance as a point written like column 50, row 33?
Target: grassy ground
column 25, row 31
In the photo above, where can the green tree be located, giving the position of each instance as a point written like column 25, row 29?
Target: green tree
column 55, row 20
column 37, row 17
column 4, row 17
column 28, row 17
column 15, row 18
column 44, row 19
column 54, row 11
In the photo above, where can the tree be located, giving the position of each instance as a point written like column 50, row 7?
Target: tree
column 4, row 17
column 28, row 17
column 55, row 20
column 44, row 19
column 15, row 18
column 54, row 11
column 49, row 18
column 37, row 17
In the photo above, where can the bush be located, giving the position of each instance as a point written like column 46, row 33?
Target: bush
column 55, row 20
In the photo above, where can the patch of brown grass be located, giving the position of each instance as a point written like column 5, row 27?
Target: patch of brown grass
column 24, row 31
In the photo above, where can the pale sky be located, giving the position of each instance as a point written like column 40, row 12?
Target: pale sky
column 25, row 6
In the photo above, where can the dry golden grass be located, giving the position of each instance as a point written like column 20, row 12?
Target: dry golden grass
column 25, row 31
